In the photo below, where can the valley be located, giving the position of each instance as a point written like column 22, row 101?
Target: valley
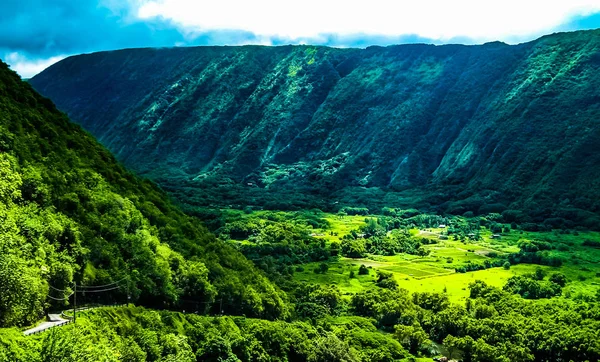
column 304, row 203
column 446, row 129
column 439, row 270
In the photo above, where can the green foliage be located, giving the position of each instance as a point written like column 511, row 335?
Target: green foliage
column 71, row 213
column 411, row 337
column 382, row 236
column 592, row 243
column 532, row 289
column 386, row 280
column 136, row 334
column 260, row 126
column 363, row 270
column 354, row 247
column 315, row 301
column 558, row 278
column 23, row 291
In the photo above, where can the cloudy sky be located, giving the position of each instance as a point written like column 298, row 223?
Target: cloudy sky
column 36, row 33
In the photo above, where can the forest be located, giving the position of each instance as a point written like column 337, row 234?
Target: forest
column 345, row 282
column 71, row 213
column 449, row 129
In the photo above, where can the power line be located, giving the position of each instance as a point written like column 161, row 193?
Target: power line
column 193, row 301
column 102, row 286
column 90, row 286
column 65, row 298
column 98, row 291
column 60, row 290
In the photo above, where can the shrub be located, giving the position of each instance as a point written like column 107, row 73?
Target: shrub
column 386, row 280
column 591, row 243
column 363, row 270
column 558, row 278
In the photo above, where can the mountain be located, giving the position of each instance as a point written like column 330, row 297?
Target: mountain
column 70, row 213
column 488, row 128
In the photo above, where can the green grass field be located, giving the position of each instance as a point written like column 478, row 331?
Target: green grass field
column 340, row 226
column 435, row 273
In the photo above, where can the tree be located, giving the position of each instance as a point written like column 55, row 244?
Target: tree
column 411, row 337
column 331, row 348
column 195, row 284
column 558, row 278
column 540, row 274
column 435, row 302
column 327, row 298
column 334, row 248
column 354, row 248
column 467, row 346
column 451, row 344
column 23, row 294
column 422, row 252
column 386, row 280
column 483, row 352
column 363, row 270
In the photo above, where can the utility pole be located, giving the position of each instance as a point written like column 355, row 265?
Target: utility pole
column 75, row 304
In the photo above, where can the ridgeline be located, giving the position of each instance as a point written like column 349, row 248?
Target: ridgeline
column 451, row 129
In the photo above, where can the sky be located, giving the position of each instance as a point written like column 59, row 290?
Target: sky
column 34, row 34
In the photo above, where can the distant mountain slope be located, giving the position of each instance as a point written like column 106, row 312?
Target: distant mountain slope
column 70, row 213
column 461, row 128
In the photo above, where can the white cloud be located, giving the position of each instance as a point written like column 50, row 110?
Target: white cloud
column 435, row 19
column 28, row 68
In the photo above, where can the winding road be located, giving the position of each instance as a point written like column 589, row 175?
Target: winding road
column 54, row 320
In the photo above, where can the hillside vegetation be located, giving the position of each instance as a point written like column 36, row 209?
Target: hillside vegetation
column 449, row 128
column 69, row 212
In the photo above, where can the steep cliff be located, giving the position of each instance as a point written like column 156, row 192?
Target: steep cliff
column 459, row 128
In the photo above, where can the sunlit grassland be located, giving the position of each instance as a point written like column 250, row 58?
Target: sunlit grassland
column 338, row 274
column 435, row 272
column 340, row 226
column 419, row 277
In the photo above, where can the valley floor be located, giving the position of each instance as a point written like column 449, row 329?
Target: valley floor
column 436, row 272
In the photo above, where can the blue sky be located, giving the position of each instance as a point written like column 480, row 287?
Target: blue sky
column 36, row 33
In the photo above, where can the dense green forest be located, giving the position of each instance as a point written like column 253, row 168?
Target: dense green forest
column 376, row 325
column 71, row 213
column 445, row 129
column 363, row 274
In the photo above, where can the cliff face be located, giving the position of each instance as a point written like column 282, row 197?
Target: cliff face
column 483, row 124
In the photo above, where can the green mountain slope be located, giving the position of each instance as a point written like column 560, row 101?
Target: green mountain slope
column 70, row 213
column 457, row 128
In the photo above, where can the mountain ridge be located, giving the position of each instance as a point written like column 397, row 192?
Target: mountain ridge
column 465, row 126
